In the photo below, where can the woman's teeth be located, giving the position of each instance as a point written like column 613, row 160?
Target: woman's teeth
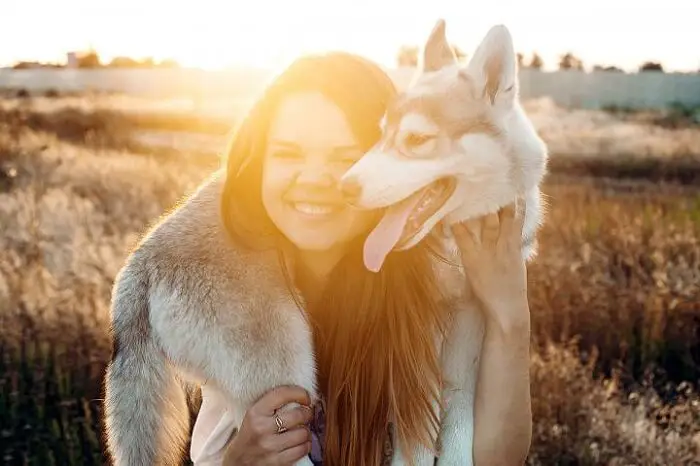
column 313, row 209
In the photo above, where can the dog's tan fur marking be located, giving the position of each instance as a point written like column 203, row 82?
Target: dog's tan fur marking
column 456, row 113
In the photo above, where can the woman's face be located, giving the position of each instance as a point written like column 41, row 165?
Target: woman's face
column 310, row 145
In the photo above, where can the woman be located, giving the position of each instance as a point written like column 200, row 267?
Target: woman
column 372, row 332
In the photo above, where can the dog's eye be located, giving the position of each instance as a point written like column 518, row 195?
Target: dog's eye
column 417, row 139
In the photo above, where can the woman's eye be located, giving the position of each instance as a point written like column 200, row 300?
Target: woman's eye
column 347, row 157
column 287, row 154
column 348, row 160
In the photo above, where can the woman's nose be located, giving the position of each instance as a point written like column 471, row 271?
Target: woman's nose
column 316, row 174
column 351, row 189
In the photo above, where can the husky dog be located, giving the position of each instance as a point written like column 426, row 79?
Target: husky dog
column 191, row 305
column 455, row 146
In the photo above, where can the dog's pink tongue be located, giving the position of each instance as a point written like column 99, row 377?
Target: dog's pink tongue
column 387, row 233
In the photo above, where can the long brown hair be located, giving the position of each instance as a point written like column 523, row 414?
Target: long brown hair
column 375, row 334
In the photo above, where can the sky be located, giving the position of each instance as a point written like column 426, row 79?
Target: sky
column 267, row 33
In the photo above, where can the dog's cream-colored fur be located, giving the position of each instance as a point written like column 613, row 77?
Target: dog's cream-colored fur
column 475, row 132
column 190, row 305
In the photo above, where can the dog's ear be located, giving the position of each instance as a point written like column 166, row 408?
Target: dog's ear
column 494, row 65
column 437, row 52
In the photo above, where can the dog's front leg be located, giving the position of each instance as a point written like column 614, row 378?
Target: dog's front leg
column 460, row 362
column 421, row 456
column 243, row 352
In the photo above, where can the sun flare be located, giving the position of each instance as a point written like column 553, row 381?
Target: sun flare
column 268, row 33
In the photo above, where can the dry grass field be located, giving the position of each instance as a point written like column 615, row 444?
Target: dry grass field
column 614, row 293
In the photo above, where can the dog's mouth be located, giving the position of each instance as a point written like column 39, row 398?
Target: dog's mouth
column 403, row 220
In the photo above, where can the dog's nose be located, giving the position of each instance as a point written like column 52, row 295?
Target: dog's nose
column 351, row 189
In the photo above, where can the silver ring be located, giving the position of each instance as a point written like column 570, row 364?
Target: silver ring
column 280, row 425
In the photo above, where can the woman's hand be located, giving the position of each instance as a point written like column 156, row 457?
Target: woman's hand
column 491, row 250
column 258, row 442
column 491, row 254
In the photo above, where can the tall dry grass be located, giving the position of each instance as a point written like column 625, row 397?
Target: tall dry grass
column 614, row 297
column 575, row 133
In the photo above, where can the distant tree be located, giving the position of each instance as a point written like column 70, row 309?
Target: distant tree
column 147, row 62
column 607, row 68
column 127, row 62
column 651, row 66
column 569, row 61
column 407, row 56
column 168, row 63
column 520, row 58
column 536, row 62
column 89, row 60
column 123, row 62
column 24, row 65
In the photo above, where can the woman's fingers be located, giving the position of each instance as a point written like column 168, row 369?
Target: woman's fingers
column 507, row 214
column 490, row 229
column 499, row 229
column 291, row 455
column 281, row 396
column 468, row 232
column 292, row 438
column 511, row 221
column 292, row 417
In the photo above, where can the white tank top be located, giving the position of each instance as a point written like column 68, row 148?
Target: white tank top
column 216, row 421
column 213, row 428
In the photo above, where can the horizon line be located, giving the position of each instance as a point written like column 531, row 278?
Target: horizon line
column 157, row 61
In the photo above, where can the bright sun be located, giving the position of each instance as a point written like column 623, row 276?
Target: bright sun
column 215, row 41
column 206, row 33
column 269, row 33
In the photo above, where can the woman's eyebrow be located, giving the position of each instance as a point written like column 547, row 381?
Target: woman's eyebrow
column 285, row 144
column 341, row 149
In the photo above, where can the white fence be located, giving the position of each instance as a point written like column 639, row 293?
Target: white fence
column 605, row 88
column 567, row 88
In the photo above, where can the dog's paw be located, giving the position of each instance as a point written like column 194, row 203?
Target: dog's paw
column 454, row 460
column 455, row 456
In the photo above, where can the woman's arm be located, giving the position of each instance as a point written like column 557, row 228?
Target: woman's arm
column 502, row 412
column 496, row 273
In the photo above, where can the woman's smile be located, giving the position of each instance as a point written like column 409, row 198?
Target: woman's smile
column 315, row 210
